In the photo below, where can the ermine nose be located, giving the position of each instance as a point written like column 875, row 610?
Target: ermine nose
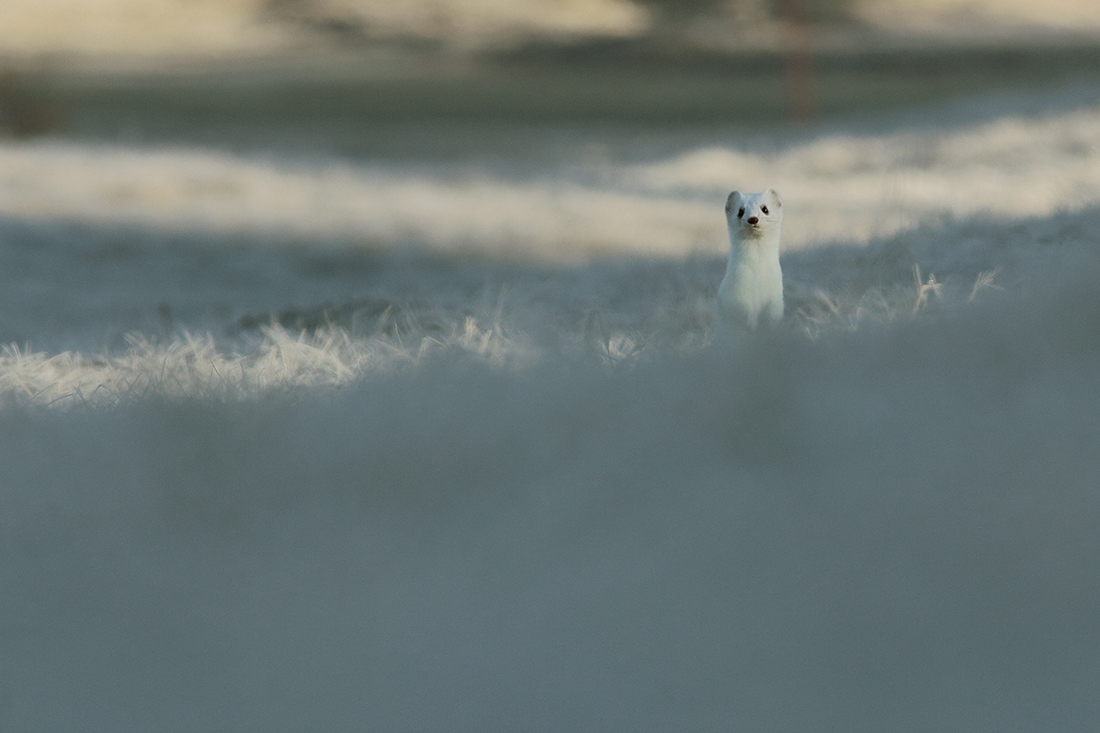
column 753, row 220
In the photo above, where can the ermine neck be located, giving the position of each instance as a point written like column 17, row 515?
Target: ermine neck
column 761, row 250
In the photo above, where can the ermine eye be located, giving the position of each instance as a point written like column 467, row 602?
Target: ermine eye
column 741, row 212
column 764, row 209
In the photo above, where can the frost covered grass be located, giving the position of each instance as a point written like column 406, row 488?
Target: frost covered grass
column 614, row 312
column 278, row 360
column 189, row 366
column 193, row 366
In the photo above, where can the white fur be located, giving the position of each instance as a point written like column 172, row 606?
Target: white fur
column 751, row 293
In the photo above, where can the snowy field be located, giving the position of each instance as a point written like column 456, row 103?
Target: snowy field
column 301, row 442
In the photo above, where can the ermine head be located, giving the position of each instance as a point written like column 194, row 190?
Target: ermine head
column 753, row 215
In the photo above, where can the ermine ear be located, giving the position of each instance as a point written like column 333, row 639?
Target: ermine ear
column 773, row 196
column 733, row 201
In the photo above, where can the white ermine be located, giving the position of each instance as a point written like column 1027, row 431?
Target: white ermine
column 751, row 294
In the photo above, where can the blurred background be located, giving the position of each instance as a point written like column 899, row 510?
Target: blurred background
column 206, row 27
column 335, row 73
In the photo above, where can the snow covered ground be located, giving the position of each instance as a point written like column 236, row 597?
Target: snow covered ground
column 293, row 442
